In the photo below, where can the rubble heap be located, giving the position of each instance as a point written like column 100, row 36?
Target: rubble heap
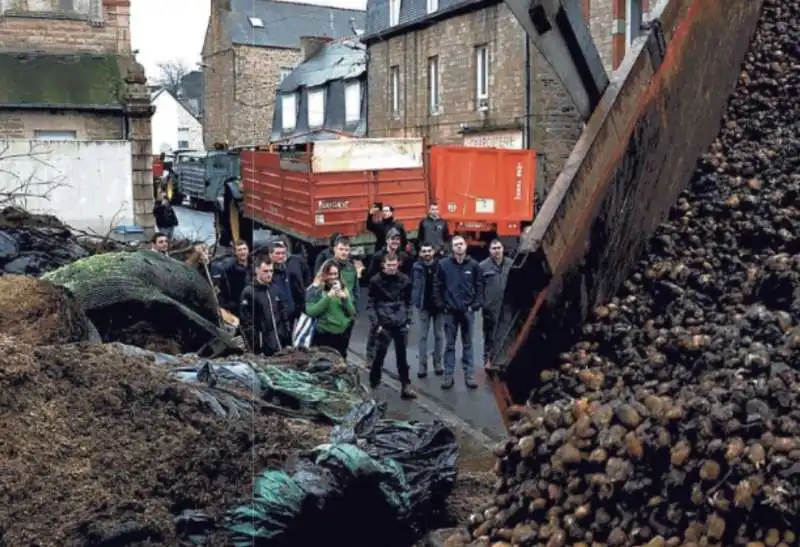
column 676, row 419
column 100, row 446
column 32, row 244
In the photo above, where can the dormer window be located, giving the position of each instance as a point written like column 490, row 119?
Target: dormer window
column 394, row 12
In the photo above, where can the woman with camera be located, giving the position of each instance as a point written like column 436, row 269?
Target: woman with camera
column 330, row 303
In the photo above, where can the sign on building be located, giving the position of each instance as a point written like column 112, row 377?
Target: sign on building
column 495, row 139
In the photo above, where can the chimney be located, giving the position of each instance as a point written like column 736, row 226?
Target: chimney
column 222, row 5
column 310, row 45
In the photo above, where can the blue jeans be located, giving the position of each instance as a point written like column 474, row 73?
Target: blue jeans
column 426, row 320
column 454, row 322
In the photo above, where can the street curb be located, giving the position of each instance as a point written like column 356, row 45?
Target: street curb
column 430, row 405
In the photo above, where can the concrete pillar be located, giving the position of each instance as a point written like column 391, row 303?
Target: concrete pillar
column 139, row 111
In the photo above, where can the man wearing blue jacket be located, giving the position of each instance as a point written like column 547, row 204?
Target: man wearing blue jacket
column 458, row 289
column 423, row 276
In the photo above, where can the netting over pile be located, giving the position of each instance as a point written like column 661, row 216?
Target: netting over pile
column 122, row 290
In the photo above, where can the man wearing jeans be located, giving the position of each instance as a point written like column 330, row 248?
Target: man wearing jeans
column 458, row 289
column 423, row 274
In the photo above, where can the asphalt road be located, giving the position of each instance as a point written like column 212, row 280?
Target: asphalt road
column 475, row 407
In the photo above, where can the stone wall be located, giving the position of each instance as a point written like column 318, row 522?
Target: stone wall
column 80, row 33
column 19, row 124
column 555, row 126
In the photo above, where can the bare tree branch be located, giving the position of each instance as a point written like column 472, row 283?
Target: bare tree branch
column 171, row 74
column 20, row 188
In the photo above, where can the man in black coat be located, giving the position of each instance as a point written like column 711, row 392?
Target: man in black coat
column 165, row 217
column 434, row 231
column 231, row 275
column 265, row 321
column 381, row 228
column 389, row 312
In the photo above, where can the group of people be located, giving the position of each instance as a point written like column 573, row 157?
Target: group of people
column 279, row 301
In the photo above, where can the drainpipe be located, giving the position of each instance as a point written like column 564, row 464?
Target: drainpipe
column 527, row 136
column 366, row 98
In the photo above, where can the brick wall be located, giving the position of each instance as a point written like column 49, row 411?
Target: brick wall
column 555, row 125
column 19, row 124
column 57, row 35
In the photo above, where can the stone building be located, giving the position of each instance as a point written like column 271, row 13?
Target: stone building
column 250, row 46
column 67, row 72
column 454, row 72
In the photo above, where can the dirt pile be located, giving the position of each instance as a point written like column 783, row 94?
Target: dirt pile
column 97, row 442
column 39, row 312
column 675, row 420
column 33, row 244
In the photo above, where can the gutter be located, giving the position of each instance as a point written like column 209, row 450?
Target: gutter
column 55, row 106
column 428, row 20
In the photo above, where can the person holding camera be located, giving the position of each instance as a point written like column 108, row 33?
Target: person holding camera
column 331, row 304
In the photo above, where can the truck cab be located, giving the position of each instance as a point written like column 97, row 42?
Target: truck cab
column 202, row 175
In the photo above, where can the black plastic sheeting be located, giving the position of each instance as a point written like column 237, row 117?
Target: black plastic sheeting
column 377, row 483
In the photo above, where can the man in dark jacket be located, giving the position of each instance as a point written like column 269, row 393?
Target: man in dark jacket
column 289, row 284
column 495, row 275
column 265, row 322
column 325, row 254
column 459, row 291
column 423, row 275
column 381, row 228
column 165, row 217
column 433, row 230
column 389, row 312
column 231, row 275
column 394, row 247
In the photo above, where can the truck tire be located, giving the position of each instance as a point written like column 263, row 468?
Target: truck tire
column 231, row 223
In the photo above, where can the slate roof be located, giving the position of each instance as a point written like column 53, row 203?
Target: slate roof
column 411, row 11
column 339, row 60
column 286, row 22
column 330, row 68
column 83, row 81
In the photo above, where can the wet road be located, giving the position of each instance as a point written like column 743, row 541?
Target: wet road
column 199, row 226
column 475, row 407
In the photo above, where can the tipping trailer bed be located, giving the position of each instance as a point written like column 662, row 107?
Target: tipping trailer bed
column 644, row 132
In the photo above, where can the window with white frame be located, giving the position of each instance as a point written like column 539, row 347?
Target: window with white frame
column 256, row 22
column 57, row 135
column 432, row 5
column 316, row 108
column 482, row 76
column 352, row 101
column 394, row 91
column 434, row 92
column 633, row 20
column 394, row 12
column 288, row 111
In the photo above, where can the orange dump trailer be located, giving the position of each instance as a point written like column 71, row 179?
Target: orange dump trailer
column 483, row 192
